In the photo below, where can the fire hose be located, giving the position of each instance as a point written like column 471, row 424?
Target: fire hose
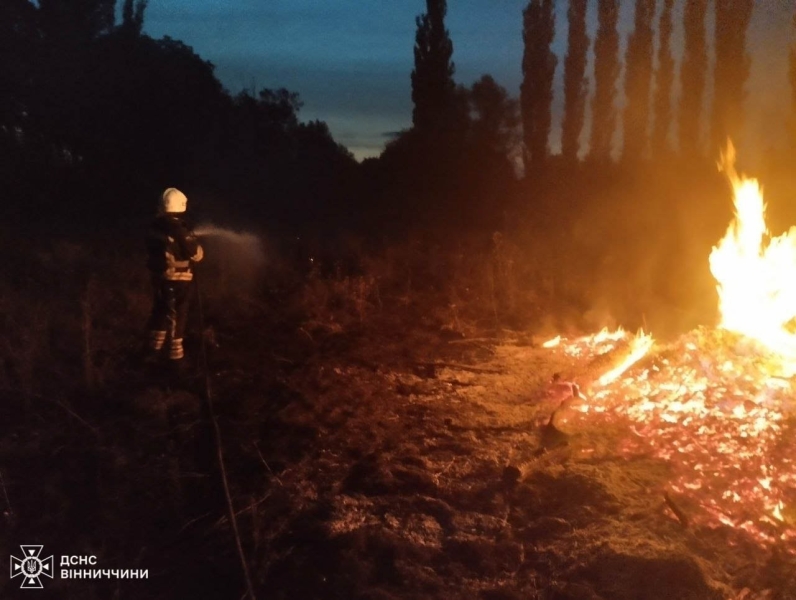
column 207, row 406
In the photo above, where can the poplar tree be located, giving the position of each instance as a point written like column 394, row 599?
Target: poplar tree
column 433, row 88
column 606, row 72
column 536, row 91
column 664, row 77
column 692, row 76
column 574, row 79
column 732, row 69
column 638, row 81
column 133, row 15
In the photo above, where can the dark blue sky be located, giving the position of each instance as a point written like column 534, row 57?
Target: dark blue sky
column 350, row 60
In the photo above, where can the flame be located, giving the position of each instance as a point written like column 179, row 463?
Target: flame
column 777, row 512
column 639, row 346
column 552, row 343
column 756, row 273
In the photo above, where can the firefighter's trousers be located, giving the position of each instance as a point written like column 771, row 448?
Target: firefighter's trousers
column 169, row 315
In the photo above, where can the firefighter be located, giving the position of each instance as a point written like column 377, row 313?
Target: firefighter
column 172, row 251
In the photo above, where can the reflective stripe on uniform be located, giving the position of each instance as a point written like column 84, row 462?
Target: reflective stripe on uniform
column 173, row 263
column 157, row 339
column 176, row 350
column 199, row 254
column 178, row 276
column 177, row 270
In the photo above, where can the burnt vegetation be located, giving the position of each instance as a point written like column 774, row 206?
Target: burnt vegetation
column 337, row 348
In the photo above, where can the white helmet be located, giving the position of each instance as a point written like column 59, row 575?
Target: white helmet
column 174, row 201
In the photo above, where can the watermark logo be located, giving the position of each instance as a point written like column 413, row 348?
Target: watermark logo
column 31, row 567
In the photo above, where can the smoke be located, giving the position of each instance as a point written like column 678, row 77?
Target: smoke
column 768, row 91
column 234, row 259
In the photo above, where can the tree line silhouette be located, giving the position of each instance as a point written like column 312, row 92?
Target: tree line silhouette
column 97, row 117
column 640, row 139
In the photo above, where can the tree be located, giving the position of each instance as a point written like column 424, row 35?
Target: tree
column 638, row 81
column 433, row 88
column 133, row 16
column 19, row 151
column 732, row 69
column 489, row 169
column 538, row 67
column 494, row 117
column 664, row 78
column 574, row 79
column 18, row 40
column 606, row 71
column 275, row 168
column 76, row 21
column 692, row 76
column 71, row 32
column 145, row 125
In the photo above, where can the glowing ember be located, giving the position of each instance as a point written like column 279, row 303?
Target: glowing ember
column 552, row 343
column 640, row 345
column 706, row 410
column 595, row 344
column 716, row 405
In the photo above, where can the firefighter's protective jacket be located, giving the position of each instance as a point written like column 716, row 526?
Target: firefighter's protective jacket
column 172, row 249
